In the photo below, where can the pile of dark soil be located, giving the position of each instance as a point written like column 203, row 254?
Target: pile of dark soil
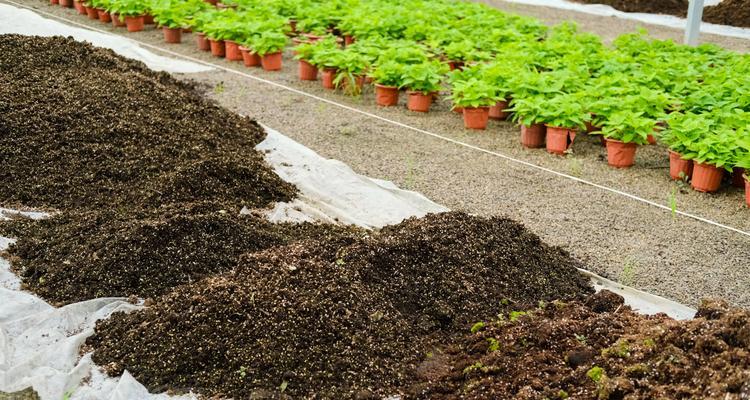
column 729, row 12
column 670, row 7
column 338, row 318
column 84, row 128
column 83, row 255
column 596, row 349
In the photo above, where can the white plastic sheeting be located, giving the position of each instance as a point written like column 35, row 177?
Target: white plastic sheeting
column 654, row 19
column 26, row 22
column 332, row 192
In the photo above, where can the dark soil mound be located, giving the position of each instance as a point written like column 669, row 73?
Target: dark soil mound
column 596, row 350
column 82, row 127
column 671, row 7
column 337, row 318
column 729, row 12
column 78, row 256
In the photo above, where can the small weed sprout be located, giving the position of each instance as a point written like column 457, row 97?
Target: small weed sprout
column 515, row 315
column 562, row 394
column 576, row 167
column 474, row 367
column 219, row 88
column 494, row 345
column 627, row 276
column 673, row 202
column 580, row 338
column 596, row 374
column 283, row 386
column 477, row 327
column 242, row 371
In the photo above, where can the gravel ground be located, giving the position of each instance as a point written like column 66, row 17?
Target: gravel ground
column 619, row 238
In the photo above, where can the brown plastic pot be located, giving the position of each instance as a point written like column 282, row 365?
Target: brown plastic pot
column 458, row 110
column 706, row 177
column 496, row 111
column 134, row 23
column 66, row 3
column 348, row 40
column 249, row 57
column 202, row 42
column 559, row 139
column 738, row 179
column 328, row 75
column 454, row 65
column 620, row 154
column 79, row 7
column 217, row 48
column 54, row 2
column 104, row 15
column 172, row 35
column 232, row 51
column 418, row 101
column 651, row 139
column 91, row 12
column 307, row 71
column 293, row 25
column 476, row 117
column 148, row 19
column 271, row 61
column 533, row 136
column 679, row 168
column 386, row 96
column 747, row 192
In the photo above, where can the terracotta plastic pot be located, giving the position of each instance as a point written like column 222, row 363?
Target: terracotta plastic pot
column 651, row 139
column 386, row 96
column 54, row 2
column 172, row 35
column 187, row 30
column 348, row 39
column 620, row 154
column 212, row 2
column 738, row 179
column 418, row 101
column 706, row 177
column 328, row 75
column 79, row 7
column 271, row 61
column 148, row 19
column 458, row 110
column 116, row 21
column 217, row 47
column 202, row 42
column 293, row 25
column 559, row 140
column 496, row 111
column 307, row 71
column 92, row 13
column 476, row 117
column 134, row 23
column 590, row 127
column 66, row 3
column 104, row 15
column 232, row 51
column 747, row 192
column 679, row 169
column 249, row 58
column 533, row 136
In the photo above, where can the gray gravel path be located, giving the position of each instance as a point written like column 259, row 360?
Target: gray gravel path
column 622, row 239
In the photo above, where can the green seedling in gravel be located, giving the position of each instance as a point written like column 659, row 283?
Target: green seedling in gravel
column 673, row 202
column 477, row 327
column 580, row 338
column 576, row 166
column 596, row 374
column 621, row 349
column 474, row 367
column 515, row 315
column 242, row 372
column 410, row 176
column 561, row 394
column 283, row 386
column 494, row 345
column 219, row 88
column 627, row 276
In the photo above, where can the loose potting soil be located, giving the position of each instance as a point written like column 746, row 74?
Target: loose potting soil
column 670, row 7
column 596, row 349
column 82, row 127
column 729, row 12
column 336, row 318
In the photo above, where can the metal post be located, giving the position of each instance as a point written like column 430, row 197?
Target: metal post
column 694, row 17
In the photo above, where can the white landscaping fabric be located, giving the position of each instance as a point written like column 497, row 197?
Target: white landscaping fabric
column 654, row 19
column 26, row 22
column 332, row 192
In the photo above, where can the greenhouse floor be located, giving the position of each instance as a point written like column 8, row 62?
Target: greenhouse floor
column 600, row 221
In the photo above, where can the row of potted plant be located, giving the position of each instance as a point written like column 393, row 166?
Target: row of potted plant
column 554, row 82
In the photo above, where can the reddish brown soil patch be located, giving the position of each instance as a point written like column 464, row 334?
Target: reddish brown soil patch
column 599, row 349
column 671, row 7
column 339, row 318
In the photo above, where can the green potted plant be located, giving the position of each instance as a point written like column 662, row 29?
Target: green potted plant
column 132, row 11
column 326, row 56
column 388, row 78
column 422, row 82
column 475, row 96
column 350, row 72
column 743, row 161
column 268, row 46
column 563, row 114
column 712, row 155
column 170, row 16
column 624, row 131
column 682, row 130
column 527, row 112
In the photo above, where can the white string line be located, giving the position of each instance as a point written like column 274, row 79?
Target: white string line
column 409, row 127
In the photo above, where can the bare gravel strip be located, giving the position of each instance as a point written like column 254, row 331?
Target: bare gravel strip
column 625, row 240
